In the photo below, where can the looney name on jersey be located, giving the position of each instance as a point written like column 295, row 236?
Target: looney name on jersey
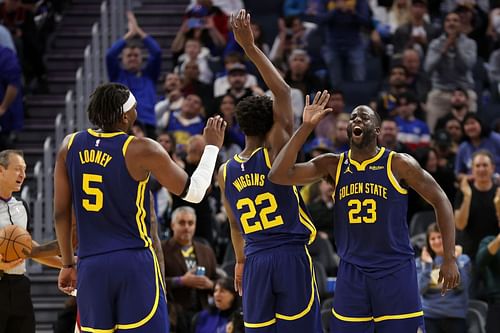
column 363, row 188
column 94, row 156
column 251, row 179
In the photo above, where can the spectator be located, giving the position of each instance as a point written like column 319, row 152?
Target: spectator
column 140, row 80
column 413, row 132
column 343, row 45
column 191, row 84
column 399, row 14
column 221, row 84
column 446, row 150
column 459, row 108
column 442, row 313
column 236, row 323
column 388, row 136
column 193, row 51
column 234, row 139
column 454, row 128
column 172, row 99
column 477, row 136
column 293, row 34
column 416, row 33
column 473, row 23
column 387, row 100
column 6, row 39
column 186, row 122
column 19, row 20
column 475, row 212
column 259, row 38
column 449, row 61
column 294, row 8
column 326, row 127
column 321, row 210
column 226, row 302
column 299, row 75
column 488, row 262
column 11, row 99
column 340, row 137
column 416, row 80
column 187, row 292
column 237, row 77
column 212, row 19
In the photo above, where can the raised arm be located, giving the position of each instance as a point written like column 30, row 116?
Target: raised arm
column 145, row 155
column 236, row 237
column 408, row 170
column 282, row 104
column 284, row 170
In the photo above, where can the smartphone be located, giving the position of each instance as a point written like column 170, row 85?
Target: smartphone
column 200, row 270
column 194, row 23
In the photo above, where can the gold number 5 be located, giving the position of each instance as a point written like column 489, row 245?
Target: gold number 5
column 92, row 191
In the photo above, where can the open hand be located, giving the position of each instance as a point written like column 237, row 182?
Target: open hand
column 214, row 131
column 67, row 280
column 242, row 29
column 316, row 111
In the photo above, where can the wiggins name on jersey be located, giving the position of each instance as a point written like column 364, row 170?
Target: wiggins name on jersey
column 269, row 215
column 111, row 208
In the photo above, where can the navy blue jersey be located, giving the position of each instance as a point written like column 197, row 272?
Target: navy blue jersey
column 111, row 208
column 370, row 214
column 269, row 215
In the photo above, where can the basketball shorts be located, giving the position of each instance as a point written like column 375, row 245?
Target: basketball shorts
column 280, row 293
column 122, row 291
column 388, row 304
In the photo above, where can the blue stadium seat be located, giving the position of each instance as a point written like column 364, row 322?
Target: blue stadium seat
column 480, row 306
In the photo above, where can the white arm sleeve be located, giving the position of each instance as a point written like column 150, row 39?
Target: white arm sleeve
column 202, row 176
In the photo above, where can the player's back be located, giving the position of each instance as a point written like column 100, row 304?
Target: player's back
column 370, row 210
column 269, row 215
column 111, row 208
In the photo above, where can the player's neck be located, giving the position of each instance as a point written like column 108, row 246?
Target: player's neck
column 363, row 154
column 252, row 143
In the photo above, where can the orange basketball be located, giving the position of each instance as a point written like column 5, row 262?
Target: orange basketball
column 13, row 239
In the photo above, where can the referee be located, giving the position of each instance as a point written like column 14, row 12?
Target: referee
column 16, row 309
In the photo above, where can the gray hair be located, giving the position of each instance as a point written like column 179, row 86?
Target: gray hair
column 5, row 156
column 183, row 209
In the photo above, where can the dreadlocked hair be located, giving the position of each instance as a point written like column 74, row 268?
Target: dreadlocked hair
column 106, row 105
column 254, row 114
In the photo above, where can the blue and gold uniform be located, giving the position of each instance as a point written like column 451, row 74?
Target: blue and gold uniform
column 278, row 281
column 112, row 216
column 377, row 283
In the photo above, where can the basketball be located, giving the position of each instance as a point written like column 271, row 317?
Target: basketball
column 13, row 239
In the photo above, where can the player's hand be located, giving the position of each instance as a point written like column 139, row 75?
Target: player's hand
column 214, row 131
column 315, row 111
column 67, row 280
column 9, row 265
column 238, row 278
column 449, row 275
column 241, row 28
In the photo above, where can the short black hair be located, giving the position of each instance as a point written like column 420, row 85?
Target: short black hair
column 255, row 115
column 485, row 130
column 106, row 105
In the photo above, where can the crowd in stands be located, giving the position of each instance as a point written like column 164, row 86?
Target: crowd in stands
column 431, row 69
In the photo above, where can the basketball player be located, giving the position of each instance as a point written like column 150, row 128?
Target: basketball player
column 103, row 174
column 376, row 286
column 270, row 228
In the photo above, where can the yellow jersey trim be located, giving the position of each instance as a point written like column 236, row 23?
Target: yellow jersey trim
column 71, row 138
column 224, row 170
column 125, row 145
column 313, row 292
column 104, row 135
column 238, row 159
column 266, row 157
column 391, row 177
column 258, row 325
column 362, row 166
column 147, row 317
column 400, row 316
column 351, row 319
column 304, row 219
column 337, row 174
column 141, row 212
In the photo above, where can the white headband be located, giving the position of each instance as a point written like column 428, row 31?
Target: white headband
column 130, row 103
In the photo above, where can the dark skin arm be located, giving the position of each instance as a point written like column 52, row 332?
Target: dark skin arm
column 407, row 169
column 236, row 238
column 284, row 170
column 155, row 238
column 282, row 103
